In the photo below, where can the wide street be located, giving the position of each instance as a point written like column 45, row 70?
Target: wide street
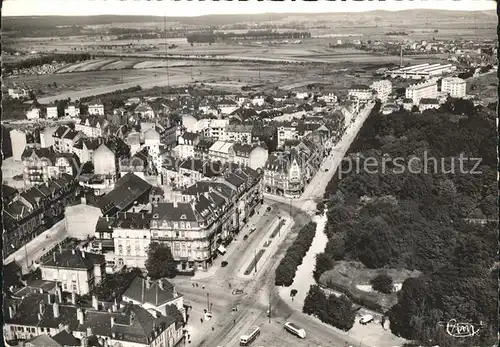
column 260, row 293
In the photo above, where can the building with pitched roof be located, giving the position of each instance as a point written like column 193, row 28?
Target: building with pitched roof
column 187, row 143
column 77, row 271
column 241, row 133
column 42, row 164
column 128, row 190
column 104, row 161
column 131, row 238
column 154, row 295
column 18, row 140
column 207, row 217
column 84, row 148
column 360, row 92
column 96, row 108
column 122, row 324
column 35, row 210
column 253, row 156
column 93, row 126
column 221, row 151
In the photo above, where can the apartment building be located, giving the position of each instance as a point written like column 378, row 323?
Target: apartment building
column 141, row 164
column 121, row 324
column 92, row 126
column 221, row 151
column 84, row 149
column 104, row 160
column 144, row 111
column 187, row 143
column 65, row 139
column 96, row 108
column 182, row 173
column 253, row 156
column 383, row 89
column 131, row 238
column 28, row 214
column 361, row 92
column 287, row 131
column 207, row 218
column 42, row 164
column 202, row 149
column 454, row 86
column 77, row 271
column 214, row 128
column 72, row 111
column 47, row 137
column 18, row 93
column 52, row 112
column 241, row 133
column 427, row 89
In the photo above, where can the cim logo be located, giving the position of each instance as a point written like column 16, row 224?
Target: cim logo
column 458, row 329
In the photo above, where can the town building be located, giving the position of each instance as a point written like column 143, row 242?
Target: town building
column 181, row 173
column 47, row 137
column 202, row 149
column 187, row 143
column 286, row 131
column 221, row 151
column 19, row 141
column 65, row 139
column 144, row 111
column 383, row 89
column 253, row 156
column 426, row 89
column 141, row 164
column 154, row 295
column 241, row 133
column 421, row 71
column 84, row 149
column 454, row 86
column 128, row 190
column 92, row 126
column 33, row 113
column 18, row 93
column 28, row 214
column 96, row 109
column 131, row 238
column 214, row 129
column 427, row 104
column 72, row 111
column 361, row 92
column 78, row 272
column 52, row 112
column 121, row 324
column 208, row 217
column 104, row 161
column 42, row 164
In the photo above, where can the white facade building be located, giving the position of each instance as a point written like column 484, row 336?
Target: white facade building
column 52, row 112
column 383, row 89
column 423, row 90
column 33, row 113
column 456, row 87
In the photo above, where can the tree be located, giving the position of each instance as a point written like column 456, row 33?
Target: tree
column 173, row 311
column 382, row 283
column 160, row 262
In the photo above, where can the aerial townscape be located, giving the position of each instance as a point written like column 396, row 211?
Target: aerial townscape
column 266, row 178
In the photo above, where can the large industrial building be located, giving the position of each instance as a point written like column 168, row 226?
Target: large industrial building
column 422, row 71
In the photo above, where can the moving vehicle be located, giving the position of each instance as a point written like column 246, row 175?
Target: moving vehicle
column 223, row 264
column 251, row 335
column 292, row 328
column 245, row 237
column 365, row 319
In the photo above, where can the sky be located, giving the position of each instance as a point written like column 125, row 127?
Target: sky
column 188, row 8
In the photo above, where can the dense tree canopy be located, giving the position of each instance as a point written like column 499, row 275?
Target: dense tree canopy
column 418, row 208
column 160, row 262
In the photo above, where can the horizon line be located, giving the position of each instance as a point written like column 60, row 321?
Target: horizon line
column 248, row 14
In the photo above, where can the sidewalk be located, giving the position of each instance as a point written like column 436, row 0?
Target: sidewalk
column 230, row 249
column 270, row 250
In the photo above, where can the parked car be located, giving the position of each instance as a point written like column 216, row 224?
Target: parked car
column 365, row 319
column 223, row 264
column 245, row 237
column 268, row 208
column 237, row 291
column 253, row 228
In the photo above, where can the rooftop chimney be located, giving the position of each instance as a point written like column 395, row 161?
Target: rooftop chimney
column 49, row 299
column 160, row 284
column 79, row 315
column 89, row 331
column 11, row 312
column 55, row 308
column 95, row 303
column 107, row 218
column 73, row 298
column 112, row 321
column 41, row 291
column 175, row 203
column 174, row 292
column 114, row 308
column 54, row 256
column 148, row 284
column 40, row 308
column 84, row 341
column 73, row 251
column 83, row 254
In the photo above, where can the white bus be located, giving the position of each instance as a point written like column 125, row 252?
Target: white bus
column 251, row 335
column 290, row 327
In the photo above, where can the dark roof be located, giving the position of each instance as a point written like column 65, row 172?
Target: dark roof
column 168, row 211
column 8, row 191
column 127, row 189
column 64, row 338
column 59, row 133
column 189, row 136
column 47, row 153
column 429, row 101
column 90, row 143
column 104, row 224
column 71, row 134
column 234, row 180
column 26, row 310
column 129, row 220
column 74, row 259
column 360, row 86
column 155, row 295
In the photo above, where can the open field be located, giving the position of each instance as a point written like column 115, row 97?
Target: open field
column 486, row 86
